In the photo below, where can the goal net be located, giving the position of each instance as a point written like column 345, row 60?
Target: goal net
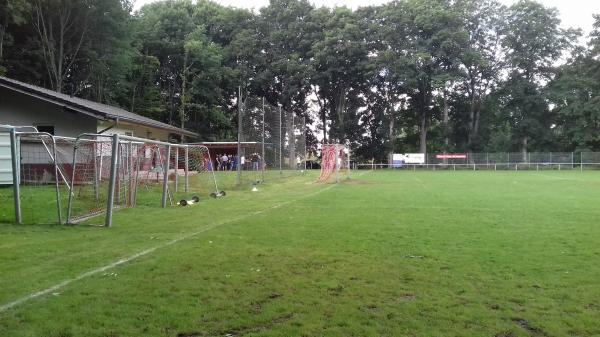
column 335, row 163
column 146, row 173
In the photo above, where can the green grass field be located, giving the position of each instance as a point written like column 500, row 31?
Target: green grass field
column 384, row 254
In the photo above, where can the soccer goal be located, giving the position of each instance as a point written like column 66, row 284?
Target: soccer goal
column 335, row 163
column 112, row 172
column 31, row 176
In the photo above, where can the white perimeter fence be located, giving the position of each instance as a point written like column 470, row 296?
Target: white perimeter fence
column 498, row 161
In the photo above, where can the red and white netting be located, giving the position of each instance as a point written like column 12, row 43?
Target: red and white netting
column 335, row 163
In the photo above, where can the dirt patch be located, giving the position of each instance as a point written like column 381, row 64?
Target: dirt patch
column 335, row 291
column 256, row 308
column 274, row 296
column 282, row 319
column 534, row 331
column 407, row 298
column 369, row 308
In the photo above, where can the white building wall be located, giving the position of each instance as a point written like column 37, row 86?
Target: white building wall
column 22, row 110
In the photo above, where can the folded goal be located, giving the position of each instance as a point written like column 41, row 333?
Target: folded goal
column 335, row 163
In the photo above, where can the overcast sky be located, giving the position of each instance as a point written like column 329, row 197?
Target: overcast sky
column 574, row 13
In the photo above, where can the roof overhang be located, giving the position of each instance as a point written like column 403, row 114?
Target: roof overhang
column 101, row 115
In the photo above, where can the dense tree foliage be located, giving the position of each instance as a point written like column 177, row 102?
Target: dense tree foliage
column 406, row 76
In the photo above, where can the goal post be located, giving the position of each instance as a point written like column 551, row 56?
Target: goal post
column 119, row 171
column 335, row 163
column 35, row 175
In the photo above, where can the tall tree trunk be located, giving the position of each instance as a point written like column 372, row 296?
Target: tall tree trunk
column 424, row 121
column 3, row 28
column 423, row 132
column 59, row 54
column 476, row 124
column 324, row 121
column 446, row 119
column 133, row 92
column 471, row 124
column 391, row 135
column 322, row 115
column 524, row 148
column 340, row 112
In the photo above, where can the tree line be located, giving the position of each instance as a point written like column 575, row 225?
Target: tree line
column 406, row 76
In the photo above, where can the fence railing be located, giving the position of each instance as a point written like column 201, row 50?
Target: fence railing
column 497, row 161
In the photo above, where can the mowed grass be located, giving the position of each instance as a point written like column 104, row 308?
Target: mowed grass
column 38, row 203
column 385, row 254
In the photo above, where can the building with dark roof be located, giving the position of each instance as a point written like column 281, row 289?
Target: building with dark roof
column 23, row 104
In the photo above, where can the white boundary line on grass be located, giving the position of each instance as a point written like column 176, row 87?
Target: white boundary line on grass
column 124, row 260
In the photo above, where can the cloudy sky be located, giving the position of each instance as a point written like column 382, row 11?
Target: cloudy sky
column 574, row 13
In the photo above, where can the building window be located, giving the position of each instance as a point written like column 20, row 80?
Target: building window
column 46, row 128
column 129, row 133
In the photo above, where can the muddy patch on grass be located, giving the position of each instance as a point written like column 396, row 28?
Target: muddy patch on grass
column 369, row 308
column 256, row 307
column 534, row 331
column 274, row 295
column 407, row 298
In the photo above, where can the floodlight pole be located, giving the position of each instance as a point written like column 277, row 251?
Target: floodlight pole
column 165, row 189
column 112, row 180
column 187, row 168
column 294, row 165
column 262, row 155
column 349, row 167
column 176, row 164
column 305, row 147
column 100, row 165
column 137, row 173
column 130, row 164
column 96, row 172
column 238, row 179
column 15, row 173
column 337, row 166
column 56, row 180
column 280, row 143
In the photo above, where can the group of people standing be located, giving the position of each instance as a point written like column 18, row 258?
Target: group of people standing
column 225, row 162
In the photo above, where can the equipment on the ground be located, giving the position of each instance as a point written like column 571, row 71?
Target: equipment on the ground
column 218, row 195
column 194, row 200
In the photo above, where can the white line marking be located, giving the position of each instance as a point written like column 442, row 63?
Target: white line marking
column 65, row 283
